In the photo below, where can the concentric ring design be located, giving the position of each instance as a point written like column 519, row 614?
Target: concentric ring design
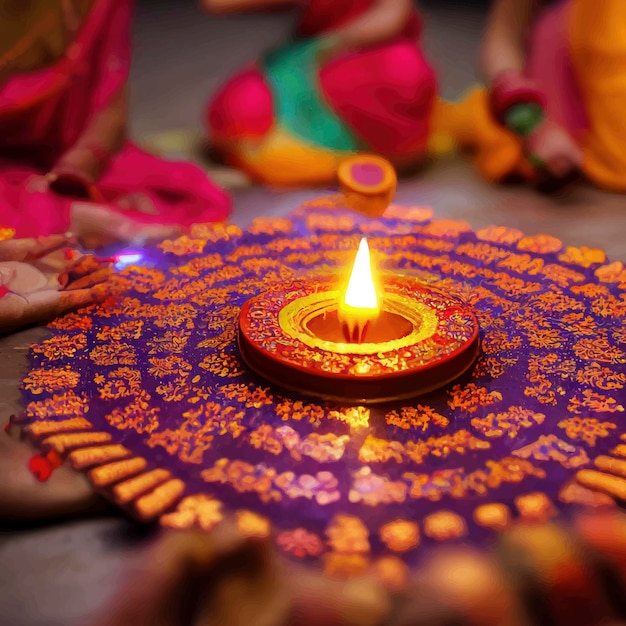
column 148, row 395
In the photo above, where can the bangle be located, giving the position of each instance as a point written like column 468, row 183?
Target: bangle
column 524, row 118
column 512, row 88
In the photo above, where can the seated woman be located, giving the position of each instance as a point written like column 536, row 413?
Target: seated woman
column 353, row 79
column 65, row 163
column 556, row 97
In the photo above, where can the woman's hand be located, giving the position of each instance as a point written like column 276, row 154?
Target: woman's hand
column 76, row 173
column 552, row 149
column 78, row 170
column 503, row 47
column 41, row 279
column 97, row 225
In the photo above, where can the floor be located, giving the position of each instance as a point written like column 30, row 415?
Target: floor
column 58, row 574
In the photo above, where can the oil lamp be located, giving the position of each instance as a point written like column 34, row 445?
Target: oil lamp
column 358, row 343
column 368, row 184
column 375, row 339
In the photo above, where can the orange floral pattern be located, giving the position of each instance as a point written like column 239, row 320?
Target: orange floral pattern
column 300, row 543
column 153, row 379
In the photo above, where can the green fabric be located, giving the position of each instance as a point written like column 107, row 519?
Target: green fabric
column 292, row 73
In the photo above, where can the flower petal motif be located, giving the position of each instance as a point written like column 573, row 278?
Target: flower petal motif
column 541, row 244
column 583, row 256
column 499, row 234
column 300, row 543
column 613, row 273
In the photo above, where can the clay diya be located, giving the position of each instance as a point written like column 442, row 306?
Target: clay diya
column 368, row 184
column 376, row 338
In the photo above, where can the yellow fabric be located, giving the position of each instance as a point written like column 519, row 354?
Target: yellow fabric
column 283, row 160
column 468, row 126
column 598, row 52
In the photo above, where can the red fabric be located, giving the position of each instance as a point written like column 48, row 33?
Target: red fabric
column 385, row 95
column 43, row 114
column 242, row 108
column 180, row 192
column 26, row 206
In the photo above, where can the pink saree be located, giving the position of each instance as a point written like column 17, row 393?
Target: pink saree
column 43, row 114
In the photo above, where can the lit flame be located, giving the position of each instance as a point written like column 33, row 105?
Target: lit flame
column 361, row 291
column 360, row 303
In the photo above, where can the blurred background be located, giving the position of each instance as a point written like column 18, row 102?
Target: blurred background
column 183, row 55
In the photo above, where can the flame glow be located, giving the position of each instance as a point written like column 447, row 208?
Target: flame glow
column 124, row 260
column 361, row 291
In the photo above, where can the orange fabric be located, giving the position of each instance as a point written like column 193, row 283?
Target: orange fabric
column 597, row 31
column 282, row 160
column 469, row 126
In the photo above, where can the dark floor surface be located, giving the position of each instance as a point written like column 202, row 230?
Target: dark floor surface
column 57, row 575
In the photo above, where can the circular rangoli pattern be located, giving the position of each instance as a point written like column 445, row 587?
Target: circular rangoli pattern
column 147, row 393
